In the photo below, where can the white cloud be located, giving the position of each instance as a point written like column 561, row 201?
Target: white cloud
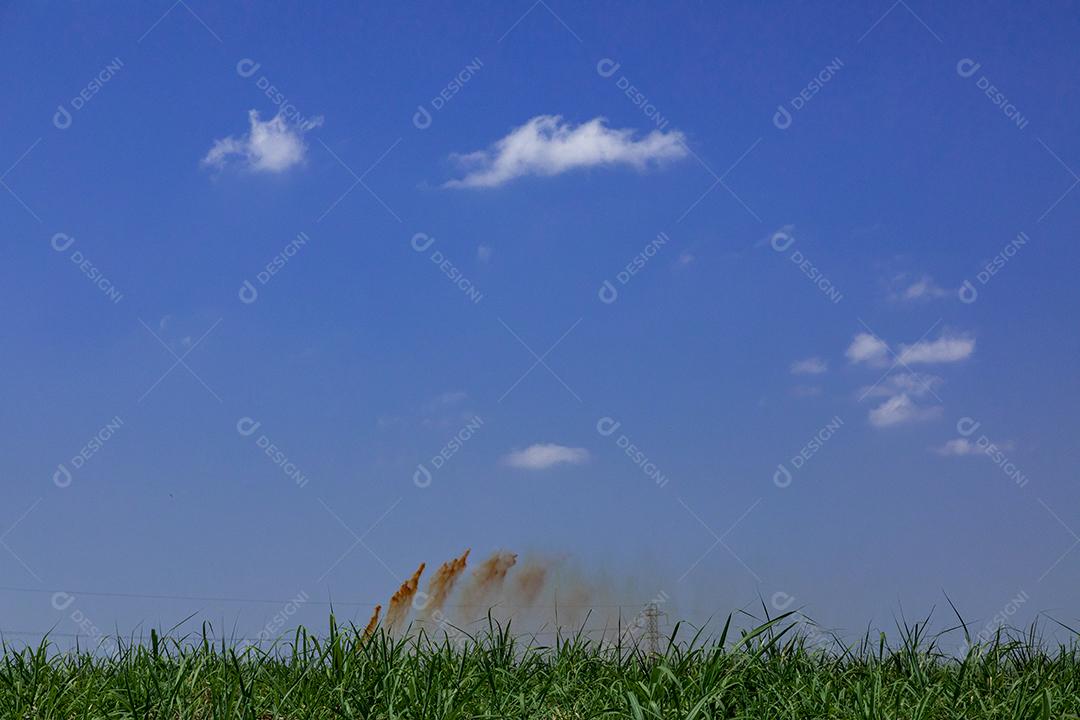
column 945, row 349
column 921, row 290
column 910, row 383
column 540, row 456
column 868, row 349
column 446, row 399
column 271, row 146
column 900, row 409
column 483, row 253
column 547, row 146
column 962, row 447
column 809, row 366
column 958, row 448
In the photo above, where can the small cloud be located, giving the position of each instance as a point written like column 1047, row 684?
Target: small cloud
column 451, row 397
column 910, row 383
column 272, row 146
column 684, row 259
column 541, row 456
column 547, row 146
column 806, row 391
column 867, row 348
column 781, row 236
column 809, row 366
column 921, row 290
column 900, row 409
column 483, row 253
column 962, row 447
column 444, row 409
column 943, row 350
column 958, row 447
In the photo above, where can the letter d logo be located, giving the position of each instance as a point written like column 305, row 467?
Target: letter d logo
column 61, row 242
column 248, row 294
column 62, row 477
column 968, row 293
column 966, row 426
column 421, row 242
column 782, row 601
column 781, row 241
column 422, row 477
column 782, row 477
column 607, row 67
column 421, row 118
column 62, row 600
column 246, row 426
column 606, row 426
column 782, row 118
column 247, row 67
column 62, row 118
column 608, row 294
column 967, row 67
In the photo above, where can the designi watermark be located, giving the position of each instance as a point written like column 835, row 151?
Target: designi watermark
column 423, row 118
column 783, row 117
column 64, row 115
column 272, row 629
column 607, row 68
column 65, row 472
column 247, row 427
column 247, row 68
column 607, row 427
column 785, row 473
column 62, row 242
column 608, row 292
column 967, row 68
column 249, row 293
column 422, row 242
column 425, row 472
column 781, row 241
column 968, row 292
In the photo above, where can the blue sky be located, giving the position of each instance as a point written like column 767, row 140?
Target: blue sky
column 786, row 201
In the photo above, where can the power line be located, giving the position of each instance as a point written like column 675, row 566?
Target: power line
column 269, row 601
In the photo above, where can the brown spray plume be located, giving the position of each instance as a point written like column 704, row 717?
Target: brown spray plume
column 402, row 600
column 486, row 581
column 443, row 584
column 528, row 582
column 373, row 623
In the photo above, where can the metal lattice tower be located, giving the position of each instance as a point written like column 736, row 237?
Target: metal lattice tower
column 652, row 616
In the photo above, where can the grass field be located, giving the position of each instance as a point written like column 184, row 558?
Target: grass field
column 766, row 672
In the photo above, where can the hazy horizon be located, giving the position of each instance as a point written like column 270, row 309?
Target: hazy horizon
column 732, row 304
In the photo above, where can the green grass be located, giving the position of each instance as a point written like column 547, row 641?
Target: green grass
column 767, row 672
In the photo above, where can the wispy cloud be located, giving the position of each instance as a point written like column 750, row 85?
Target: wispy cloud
column 958, row 447
column 809, row 366
column 900, row 409
column 872, row 350
column 910, row 383
column 271, row 146
column 946, row 349
column 904, row 289
column 866, row 348
column 962, row 447
column 541, row 456
column 546, row 146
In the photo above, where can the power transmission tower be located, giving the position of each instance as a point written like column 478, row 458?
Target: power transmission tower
column 652, row 616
